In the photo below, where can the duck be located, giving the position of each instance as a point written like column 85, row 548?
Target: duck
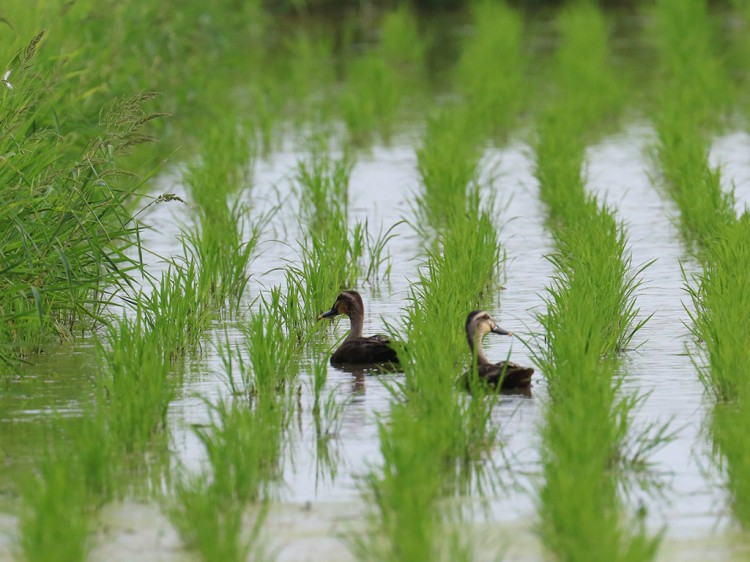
column 356, row 349
column 507, row 374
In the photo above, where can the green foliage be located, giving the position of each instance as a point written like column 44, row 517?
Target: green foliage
column 490, row 72
column 590, row 317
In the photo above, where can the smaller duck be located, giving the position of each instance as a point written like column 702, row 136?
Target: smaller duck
column 356, row 349
column 506, row 373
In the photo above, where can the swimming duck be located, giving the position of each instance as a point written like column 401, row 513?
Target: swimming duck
column 356, row 349
column 508, row 374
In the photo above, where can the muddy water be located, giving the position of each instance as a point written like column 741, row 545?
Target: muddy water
column 317, row 508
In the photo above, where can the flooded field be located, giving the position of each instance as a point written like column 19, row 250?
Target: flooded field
column 431, row 162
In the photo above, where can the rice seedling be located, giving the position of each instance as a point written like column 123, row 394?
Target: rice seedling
column 378, row 81
column 56, row 515
column 689, row 67
column 590, row 317
column 243, row 442
column 243, row 445
column 175, row 310
column 719, row 317
column 448, row 165
column 310, row 76
column 61, row 494
column 219, row 242
column 490, row 72
column 135, row 385
column 434, row 437
column 331, row 253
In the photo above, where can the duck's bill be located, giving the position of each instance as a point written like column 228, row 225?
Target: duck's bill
column 329, row 314
column 499, row 330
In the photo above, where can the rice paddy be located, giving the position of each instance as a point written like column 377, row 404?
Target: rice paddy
column 179, row 206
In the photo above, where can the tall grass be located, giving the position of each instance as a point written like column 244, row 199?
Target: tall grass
column 590, row 316
column 66, row 226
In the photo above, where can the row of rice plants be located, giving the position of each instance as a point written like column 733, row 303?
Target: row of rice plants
column 586, row 433
column 435, row 436
column 222, row 242
column 121, row 432
column 220, row 511
column 380, row 81
column 720, row 294
column 437, row 440
column 490, row 74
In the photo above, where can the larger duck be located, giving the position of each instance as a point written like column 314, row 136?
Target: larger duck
column 356, row 349
column 505, row 373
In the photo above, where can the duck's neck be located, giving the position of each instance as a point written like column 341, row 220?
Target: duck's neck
column 475, row 343
column 356, row 320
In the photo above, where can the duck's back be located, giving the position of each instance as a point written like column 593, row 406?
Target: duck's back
column 362, row 351
column 512, row 374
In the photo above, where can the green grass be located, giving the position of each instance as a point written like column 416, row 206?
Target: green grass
column 590, row 317
column 491, row 70
column 436, row 438
column 699, row 94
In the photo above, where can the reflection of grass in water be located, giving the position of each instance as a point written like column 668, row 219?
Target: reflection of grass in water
column 589, row 318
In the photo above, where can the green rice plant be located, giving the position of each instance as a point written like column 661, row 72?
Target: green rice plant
column 720, row 294
column 583, row 66
column 56, row 516
column 490, row 72
column 402, row 43
column 62, row 492
column 692, row 73
column 267, row 360
column 136, row 385
column 209, row 526
column 371, row 97
column 244, row 443
column 377, row 82
column 310, row 76
column 331, row 253
column 590, row 317
column 175, row 310
column 586, row 431
column 448, row 165
column 219, row 243
column 435, row 439
column 697, row 95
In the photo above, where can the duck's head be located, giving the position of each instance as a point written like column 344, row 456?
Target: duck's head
column 348, row 303
column 479, row 323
